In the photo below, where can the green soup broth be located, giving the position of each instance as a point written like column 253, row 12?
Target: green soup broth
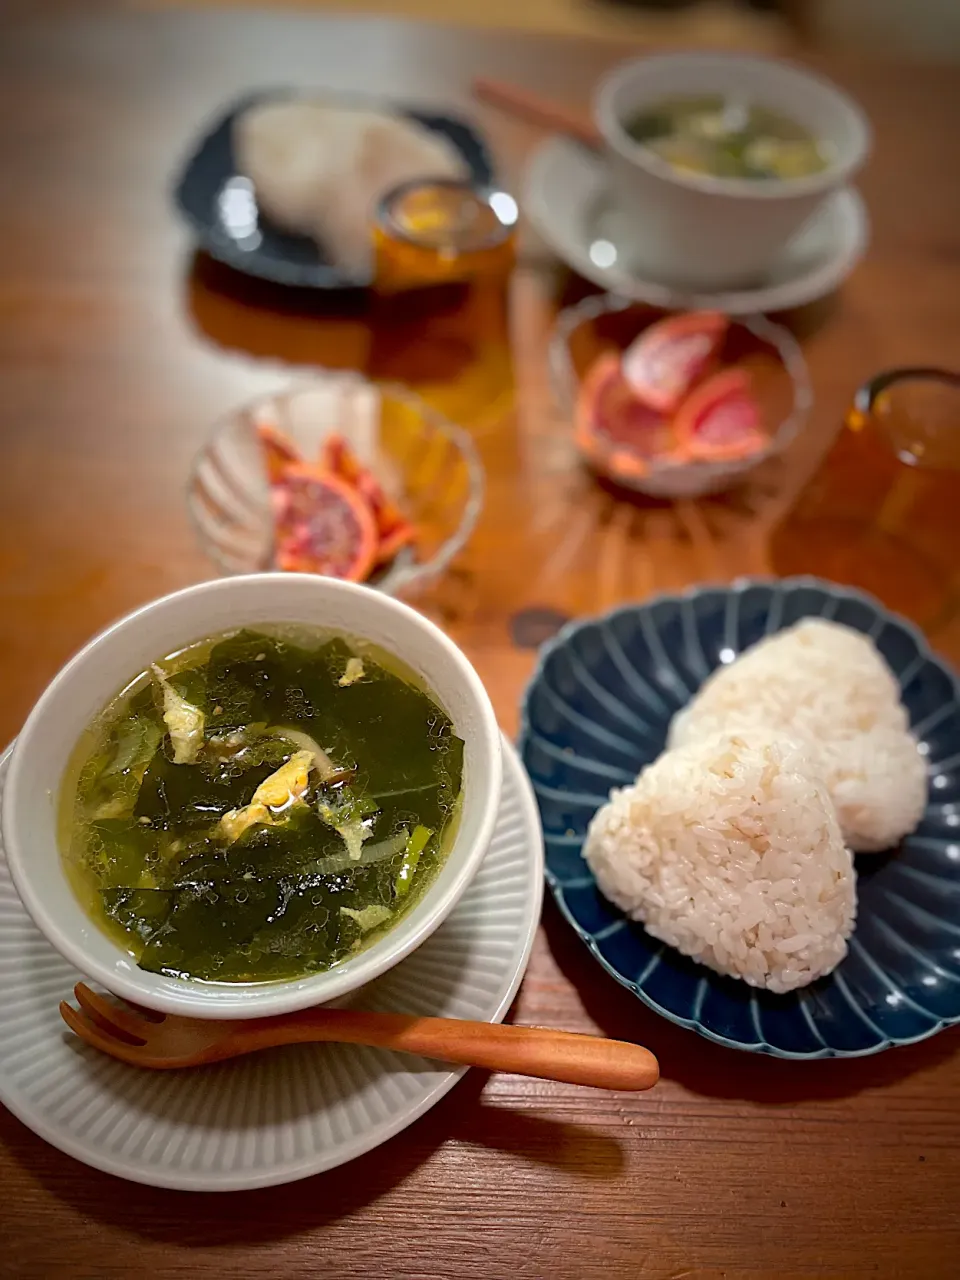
column 726, row 137
column 260, row 805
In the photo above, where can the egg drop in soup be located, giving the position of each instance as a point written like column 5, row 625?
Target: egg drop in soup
column 727, row 138
column 260, row 805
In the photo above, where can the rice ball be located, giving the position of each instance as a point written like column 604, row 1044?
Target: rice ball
column 828, row 688
column 816, row 676
column 878, row 784
column 319, row 170
column 729, row 850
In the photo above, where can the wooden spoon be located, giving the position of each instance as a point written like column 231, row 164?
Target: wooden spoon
column 165, row 1042
column 538, row 110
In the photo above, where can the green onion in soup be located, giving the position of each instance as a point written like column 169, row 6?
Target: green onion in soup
column 728, row 138
column 260, row 806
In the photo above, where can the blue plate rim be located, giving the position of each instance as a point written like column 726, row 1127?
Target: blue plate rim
column 737, row 586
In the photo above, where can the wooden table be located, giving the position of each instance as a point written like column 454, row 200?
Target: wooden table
column 116, row 352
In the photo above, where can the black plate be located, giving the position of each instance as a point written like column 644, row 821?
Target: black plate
column 210, row 178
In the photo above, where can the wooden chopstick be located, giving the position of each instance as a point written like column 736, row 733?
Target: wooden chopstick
column 535, row 109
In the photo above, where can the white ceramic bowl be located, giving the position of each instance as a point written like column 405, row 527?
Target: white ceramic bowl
column 702, row 232
column 109, row 661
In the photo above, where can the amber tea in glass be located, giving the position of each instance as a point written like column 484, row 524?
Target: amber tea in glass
column 443, row 253
column 882, row 512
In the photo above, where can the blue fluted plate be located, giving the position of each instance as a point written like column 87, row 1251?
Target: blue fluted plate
column 597, row 710
column 221, row 207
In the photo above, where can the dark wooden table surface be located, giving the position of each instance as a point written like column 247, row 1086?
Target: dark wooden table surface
column 117, row 349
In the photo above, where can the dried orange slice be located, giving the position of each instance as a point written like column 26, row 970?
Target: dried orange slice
column 337, row 456
column 322, row 525
column 720, row 420
column 611, row 422
column 393, row 529
column 665, row 361
column 279, row 451
column 393, row 543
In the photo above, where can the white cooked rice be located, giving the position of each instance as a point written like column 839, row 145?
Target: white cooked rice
column 828, row 688
column 878, row 784
column 319, row 169
column 729, row 850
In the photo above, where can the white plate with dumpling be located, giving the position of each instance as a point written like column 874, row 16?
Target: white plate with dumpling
column 751, row 806
column 282, row 187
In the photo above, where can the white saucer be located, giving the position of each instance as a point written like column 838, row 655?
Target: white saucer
column 565, row 198
column 286, row 1113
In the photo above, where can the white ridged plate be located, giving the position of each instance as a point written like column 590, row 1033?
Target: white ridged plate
column 286, row 1113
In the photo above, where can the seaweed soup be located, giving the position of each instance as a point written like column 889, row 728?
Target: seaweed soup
column 260, row 805
column 728, row 138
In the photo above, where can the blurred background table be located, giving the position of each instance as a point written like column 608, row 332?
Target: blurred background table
column 117, row 350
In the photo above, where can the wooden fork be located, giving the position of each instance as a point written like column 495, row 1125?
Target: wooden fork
column 163, row 1041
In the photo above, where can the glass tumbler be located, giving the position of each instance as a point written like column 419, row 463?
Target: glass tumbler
column 443, row 253
column 882, row 512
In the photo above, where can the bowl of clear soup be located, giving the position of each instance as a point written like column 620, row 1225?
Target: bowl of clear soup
column 718, row 159
column 253, row 795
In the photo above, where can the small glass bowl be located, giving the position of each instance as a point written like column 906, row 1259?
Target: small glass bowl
column 426, row 464
column 769, row 352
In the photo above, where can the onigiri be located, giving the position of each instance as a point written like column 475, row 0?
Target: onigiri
column 828, row 688
column 729, row 850
column 318, row 169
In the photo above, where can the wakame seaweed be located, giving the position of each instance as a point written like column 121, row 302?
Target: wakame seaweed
column 249, row 810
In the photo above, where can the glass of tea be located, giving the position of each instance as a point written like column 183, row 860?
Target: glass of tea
column 435, row 230
column 882, row 511
column 443, row 253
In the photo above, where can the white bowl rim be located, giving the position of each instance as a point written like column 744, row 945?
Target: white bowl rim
column 269, row 998
column 835, row 174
